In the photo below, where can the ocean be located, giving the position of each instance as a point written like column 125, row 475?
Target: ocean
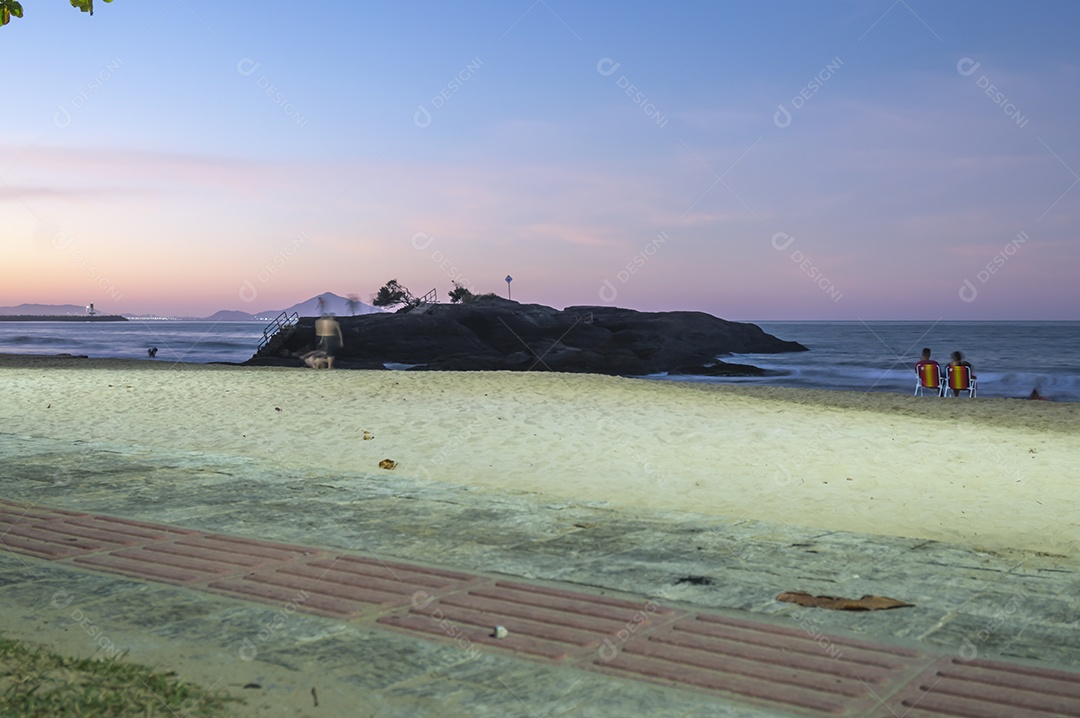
column 1010, row 358
column 198, row 342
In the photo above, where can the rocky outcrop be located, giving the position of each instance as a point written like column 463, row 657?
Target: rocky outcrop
column 499, row 334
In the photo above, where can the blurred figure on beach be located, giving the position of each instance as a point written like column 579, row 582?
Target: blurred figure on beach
column 151, row 352
column 328, row 336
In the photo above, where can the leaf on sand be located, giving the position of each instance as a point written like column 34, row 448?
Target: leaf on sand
column 387, row 464
column 866, row 603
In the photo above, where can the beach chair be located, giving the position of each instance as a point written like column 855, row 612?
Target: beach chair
column 960, row 379
column 929, row 379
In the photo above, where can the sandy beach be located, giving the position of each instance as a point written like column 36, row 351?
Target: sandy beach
column 993, row 473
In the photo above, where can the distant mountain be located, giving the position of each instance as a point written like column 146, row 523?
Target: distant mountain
column 230, row 315
column 46, row 309
column 334, row 304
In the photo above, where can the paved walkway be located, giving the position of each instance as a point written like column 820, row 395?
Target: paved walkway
column 607, row 613
column 748, row 659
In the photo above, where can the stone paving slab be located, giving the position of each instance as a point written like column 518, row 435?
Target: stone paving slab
column 971, row 603
column 739, row 658
column 357, row 670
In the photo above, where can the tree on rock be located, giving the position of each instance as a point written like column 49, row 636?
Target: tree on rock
column 392, row 294
column 461, row 294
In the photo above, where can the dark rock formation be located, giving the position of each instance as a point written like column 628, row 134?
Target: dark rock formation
column 495, row 334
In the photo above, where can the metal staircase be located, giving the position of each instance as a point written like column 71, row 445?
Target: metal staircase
column 276, row 332
column 424, row 304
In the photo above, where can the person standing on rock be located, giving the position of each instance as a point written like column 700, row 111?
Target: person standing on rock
column 328, row 334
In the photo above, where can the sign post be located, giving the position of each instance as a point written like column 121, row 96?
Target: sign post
column 508, row 280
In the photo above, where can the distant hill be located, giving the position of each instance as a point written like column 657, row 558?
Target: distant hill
column 46, row 309
column 230, row 315
column 334, row 304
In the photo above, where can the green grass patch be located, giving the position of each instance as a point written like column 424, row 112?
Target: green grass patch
column 37, row 682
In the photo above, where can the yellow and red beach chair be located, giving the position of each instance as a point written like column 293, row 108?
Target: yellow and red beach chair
column 960, row 379
column 929, row 379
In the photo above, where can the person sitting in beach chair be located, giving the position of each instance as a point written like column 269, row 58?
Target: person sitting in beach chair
column 960, row 376
column 929, row 375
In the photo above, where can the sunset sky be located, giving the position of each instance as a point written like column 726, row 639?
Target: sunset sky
column 873, row 159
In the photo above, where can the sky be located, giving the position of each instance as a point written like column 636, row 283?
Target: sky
column 783, row 160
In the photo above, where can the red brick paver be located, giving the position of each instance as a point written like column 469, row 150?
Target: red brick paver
column 746, row 660
column 987, row 689
column 55, row 533
column 541, row 621
column 813, row 672
column 346, row 586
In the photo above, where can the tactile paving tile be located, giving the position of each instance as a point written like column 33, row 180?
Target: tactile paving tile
column 116, row 532
column 51, row 534
column 986, row 689
column 540, row 621
column 770, row 663
column 42, row 543
column 195, row 558
column 14, row 512
column 344, row 586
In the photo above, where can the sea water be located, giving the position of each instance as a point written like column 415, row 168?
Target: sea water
column 1010, row 358
column 176, row 341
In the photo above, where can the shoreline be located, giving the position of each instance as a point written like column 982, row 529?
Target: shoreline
column 899, row 402
column 986, row 472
